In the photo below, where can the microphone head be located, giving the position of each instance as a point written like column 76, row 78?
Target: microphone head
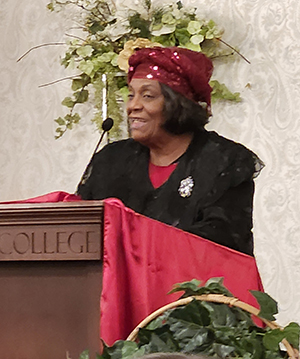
column 107, row 124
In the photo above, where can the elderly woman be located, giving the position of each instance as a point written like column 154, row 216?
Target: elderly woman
column 172, row 169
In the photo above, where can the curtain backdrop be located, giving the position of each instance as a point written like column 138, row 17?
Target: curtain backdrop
column 267, row 32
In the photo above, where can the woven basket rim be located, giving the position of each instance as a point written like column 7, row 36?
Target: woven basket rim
column 216, row 298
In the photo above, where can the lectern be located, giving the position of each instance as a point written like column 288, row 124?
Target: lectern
column 50, row 279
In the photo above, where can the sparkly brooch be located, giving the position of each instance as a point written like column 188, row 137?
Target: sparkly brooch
column 186, row 187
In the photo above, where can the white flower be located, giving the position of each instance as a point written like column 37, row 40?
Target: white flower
column 177, row 13
column 164, row 29
column 117, row 30
column 197, row 39
column 127, row 8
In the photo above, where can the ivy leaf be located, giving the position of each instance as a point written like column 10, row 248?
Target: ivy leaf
column 268, row 306
column 291, row 334
column 59, row 133
column 81, row 96
column 194, row 27
column 137, row 22
column 221, row 314
column 189, row 287
column 81, row 82
column 183, row 36
column 220, row 91
column 165, row 40
column 60, row 121
column 158, row 322
column 168, row 19
column 121, row 349
column 84, row 51
column 84, row 355
column 190, row 336
column 159, row 340
column 165, row 29
column 106, row 57
column 179, row 5
column 193, row 47
column 77, row 84
column 50, row 7
column 197, row 39
column 193, row 312
column 67, row 101
column 76, row 118
column 272, row 339
column 215, row 285
column 95, row 27
column 86, row 66
column 124, row 92
column 223, row 351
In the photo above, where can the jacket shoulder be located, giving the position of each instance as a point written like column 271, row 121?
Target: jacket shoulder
column 118, row 150
column 243, row 162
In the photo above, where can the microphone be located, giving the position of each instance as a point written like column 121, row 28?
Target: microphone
column 107, row 124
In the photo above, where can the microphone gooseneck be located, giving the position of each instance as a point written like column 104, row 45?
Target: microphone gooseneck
column 107, row 124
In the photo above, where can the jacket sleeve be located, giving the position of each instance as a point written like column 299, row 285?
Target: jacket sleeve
column 92, row 183
column 225, row 216
column 228, row 221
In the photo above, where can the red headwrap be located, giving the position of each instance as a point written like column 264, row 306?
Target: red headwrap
column 185, row 71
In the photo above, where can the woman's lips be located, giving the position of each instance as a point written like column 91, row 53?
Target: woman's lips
column 136, row 123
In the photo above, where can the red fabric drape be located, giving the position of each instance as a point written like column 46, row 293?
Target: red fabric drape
column 57, row 196
column 143, row 258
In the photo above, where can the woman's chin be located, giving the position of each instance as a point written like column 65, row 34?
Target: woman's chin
column 137, row 136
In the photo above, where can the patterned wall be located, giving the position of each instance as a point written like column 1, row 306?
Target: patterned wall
column 267, row 32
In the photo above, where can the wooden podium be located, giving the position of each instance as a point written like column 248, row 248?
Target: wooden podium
column 50, row 279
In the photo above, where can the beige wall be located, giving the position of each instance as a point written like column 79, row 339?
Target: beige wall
column 267, row 32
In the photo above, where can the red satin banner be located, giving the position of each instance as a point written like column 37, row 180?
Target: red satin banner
column 52, row 197
column 144, row 258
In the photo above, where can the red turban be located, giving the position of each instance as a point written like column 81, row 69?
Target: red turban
column 185, row 71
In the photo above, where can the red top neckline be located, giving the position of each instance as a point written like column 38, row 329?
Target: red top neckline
column 160, row 174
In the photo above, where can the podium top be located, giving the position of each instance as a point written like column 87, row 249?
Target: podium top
column 26, row 212
column 51, row 231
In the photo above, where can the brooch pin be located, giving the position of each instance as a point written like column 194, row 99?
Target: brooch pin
column 186, row 187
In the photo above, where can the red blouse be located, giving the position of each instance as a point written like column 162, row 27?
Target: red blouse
column 160, row 174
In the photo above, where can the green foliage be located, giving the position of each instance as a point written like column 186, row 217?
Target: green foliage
column 84, row 355
column 221, row 92
column 108, row 28
column 212, row 329
column 290, row 333
column 122, row 349
column 212, row 286
column 268, row 306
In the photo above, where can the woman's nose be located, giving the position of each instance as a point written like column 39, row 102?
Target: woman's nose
column 134, row 103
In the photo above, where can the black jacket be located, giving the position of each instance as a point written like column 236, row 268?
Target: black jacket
column 219, row 207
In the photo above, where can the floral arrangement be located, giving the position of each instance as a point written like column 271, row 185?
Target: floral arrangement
column 215, row 330
column 111, row 34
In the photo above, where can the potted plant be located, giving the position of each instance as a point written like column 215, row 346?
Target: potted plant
column 209, row 320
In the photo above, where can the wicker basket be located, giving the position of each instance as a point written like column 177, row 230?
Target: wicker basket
column 216, row 298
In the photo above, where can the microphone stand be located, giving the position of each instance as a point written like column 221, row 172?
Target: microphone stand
column 106, row 126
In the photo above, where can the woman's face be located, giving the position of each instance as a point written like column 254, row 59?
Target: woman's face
column 145, row 111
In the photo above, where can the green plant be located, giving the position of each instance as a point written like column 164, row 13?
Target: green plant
column 110, row 35
column 213, row 329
